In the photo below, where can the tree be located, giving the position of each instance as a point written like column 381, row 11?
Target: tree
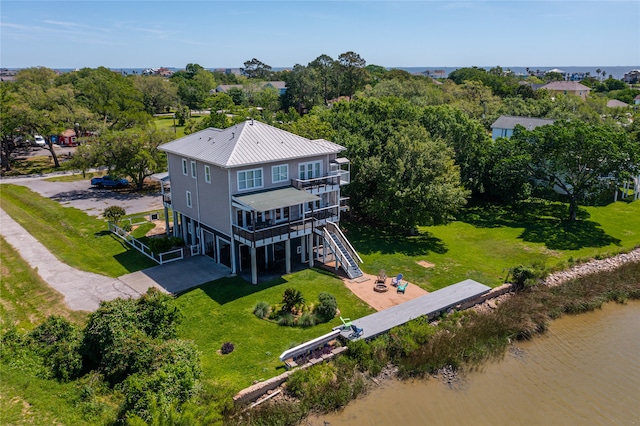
column 194, row 85
column 466, row 136
column 414, row 179
column 255, row 68
column 158, row 94
column 325, row 68
column 113, row 214
column 506, row 177
column 353, row 74
column 110, row 95
column 574, row 158
column 132, row 152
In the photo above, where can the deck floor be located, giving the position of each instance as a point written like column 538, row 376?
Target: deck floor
column 429, row 304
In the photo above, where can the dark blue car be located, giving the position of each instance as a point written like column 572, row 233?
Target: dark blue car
column 109, row 182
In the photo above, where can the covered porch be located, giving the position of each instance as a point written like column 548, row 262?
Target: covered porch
column 267, row 222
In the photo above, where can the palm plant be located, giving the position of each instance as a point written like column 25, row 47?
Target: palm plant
column 291, row 299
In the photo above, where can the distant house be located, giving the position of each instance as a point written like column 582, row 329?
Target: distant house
column 614, row 103
column 568, row 88
column 632, row 77
column 68, row 138
column 280, row 86
column 504, row 125
column 636, row 100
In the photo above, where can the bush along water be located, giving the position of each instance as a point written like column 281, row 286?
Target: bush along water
column 456, row 341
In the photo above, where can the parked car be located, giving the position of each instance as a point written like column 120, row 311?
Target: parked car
column 109, row 182
column 39, row 141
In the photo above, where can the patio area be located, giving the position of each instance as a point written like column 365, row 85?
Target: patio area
column 364, row 288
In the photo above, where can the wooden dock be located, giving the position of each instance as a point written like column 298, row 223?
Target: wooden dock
column 431, row 305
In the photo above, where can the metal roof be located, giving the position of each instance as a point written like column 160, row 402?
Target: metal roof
column 529, row 123
column 275, row 199
column 248, row 143
column 565, row 85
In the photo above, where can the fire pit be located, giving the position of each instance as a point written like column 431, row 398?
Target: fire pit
column 380, row 287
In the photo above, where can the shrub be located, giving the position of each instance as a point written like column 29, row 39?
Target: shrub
column 327, row 307
column 227, row 348
column 58, row 342
column 126, row 226
column 113, row 214
column 261, row 310
column 286, row 319
column 163, row 244
column 307, row 320
column 523, row 276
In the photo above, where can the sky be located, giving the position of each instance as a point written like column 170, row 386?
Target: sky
column 225, row 34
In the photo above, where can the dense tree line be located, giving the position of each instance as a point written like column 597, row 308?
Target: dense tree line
column 365, row 107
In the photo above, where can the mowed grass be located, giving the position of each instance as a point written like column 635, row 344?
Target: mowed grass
column 73, row 236
column 488, row 240
column 167, row 122
column 222, row 311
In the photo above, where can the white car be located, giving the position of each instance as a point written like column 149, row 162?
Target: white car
column 39, row 141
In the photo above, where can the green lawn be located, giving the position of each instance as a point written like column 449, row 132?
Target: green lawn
column 483, row 244
column 77, row 239
column 166, row 122
column 486, row 241
column 222, row 311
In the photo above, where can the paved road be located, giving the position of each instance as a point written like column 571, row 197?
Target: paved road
column 81, row 195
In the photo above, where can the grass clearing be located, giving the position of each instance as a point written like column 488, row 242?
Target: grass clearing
column 167, row 122
column 75, row 177
column 488, row 240
column 222, row 311
column 76, row 238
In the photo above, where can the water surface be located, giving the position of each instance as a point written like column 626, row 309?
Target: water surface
column 585, row 370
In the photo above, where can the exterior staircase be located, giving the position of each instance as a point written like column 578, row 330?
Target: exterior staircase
column 343, row 251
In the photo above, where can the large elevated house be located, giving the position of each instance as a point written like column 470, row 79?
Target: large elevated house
column 257, row 198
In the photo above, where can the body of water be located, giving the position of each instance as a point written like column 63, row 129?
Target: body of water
column 584, row 370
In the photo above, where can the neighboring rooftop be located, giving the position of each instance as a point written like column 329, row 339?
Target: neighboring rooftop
column 614, row 103
column 565, row 85
column 529, row 123
column 250, row 142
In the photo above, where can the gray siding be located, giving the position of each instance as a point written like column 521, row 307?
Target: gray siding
column 267, row 176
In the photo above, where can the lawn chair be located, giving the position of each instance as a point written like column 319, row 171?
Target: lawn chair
column 346, row 322
column 396, row 281
column 382, row 277
column 357, row 332
column 402, row 287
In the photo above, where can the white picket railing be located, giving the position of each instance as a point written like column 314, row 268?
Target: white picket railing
column 161, row 258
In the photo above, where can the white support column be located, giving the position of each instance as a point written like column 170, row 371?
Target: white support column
column 310, row 244
column 254, row 267
column 287, row 256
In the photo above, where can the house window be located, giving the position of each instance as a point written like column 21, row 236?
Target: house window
column 188, row 198
column 280, row 173
column 207, row 174
column 249, row 179
column 184, row 167
column 310, row 170
column 193, row 169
